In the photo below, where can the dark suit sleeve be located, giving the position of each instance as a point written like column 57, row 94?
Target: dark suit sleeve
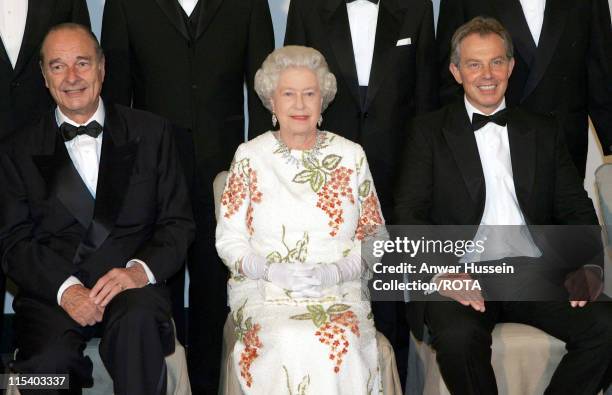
column 34, row 267
column 600, row 74
column 166, row 250
column 80, row 14
column 572, row 205
column 427, row 81
column 413, row 191
column 450, row 18
column 261, row 43
column 117, row 86
column 295, row 34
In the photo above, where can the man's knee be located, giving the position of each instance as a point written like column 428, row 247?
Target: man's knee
column 134, row 306
column 462, row 338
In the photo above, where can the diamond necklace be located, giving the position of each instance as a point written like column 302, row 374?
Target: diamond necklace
column 309, row 155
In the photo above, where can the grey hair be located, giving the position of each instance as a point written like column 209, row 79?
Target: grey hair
column 483, row 26
column 73, row 26
column 266, row 78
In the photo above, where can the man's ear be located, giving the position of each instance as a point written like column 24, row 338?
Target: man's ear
column 42, row 70
column 511, row 67
column 455, row 72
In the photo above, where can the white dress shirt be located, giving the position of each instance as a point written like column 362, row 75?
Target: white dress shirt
column 13, row 15
column 188, row 5
column 534, row 15
column 501, row 203
column 363, row 18
column 84, row 151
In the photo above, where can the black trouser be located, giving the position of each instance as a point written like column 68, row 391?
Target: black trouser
column 207, row 305
column 137, row 334
column 461, row 337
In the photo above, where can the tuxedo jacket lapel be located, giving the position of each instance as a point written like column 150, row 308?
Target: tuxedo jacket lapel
column 335, row 16
column 510, row 14
column 37, row 23
column 207, row 13
column 4, row 55
column 63, row 180
column 116, row 161
column 521, row 138
column 555, row 15
column 387, row 33
column 462, row 143
column 172, row 10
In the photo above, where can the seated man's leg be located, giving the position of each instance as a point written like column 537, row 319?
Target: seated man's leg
column 138, row 334
column 587, row 332
column 461, row 337
column 50, row 342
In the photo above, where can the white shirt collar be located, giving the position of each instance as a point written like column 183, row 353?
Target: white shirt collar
column 471, row 109
column 98, row 116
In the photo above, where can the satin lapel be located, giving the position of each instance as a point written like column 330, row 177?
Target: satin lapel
column 63, row 180
column 335, row 16
column 523, row 156
column 555, row 16
column 387, row 33
column 4, row 55
column 172, row 11
column 37, row 24
column 116, row 161
column 207, row 13
column 510, row 14
column 462, row 143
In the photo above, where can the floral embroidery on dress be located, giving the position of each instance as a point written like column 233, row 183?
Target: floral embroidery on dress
column 297, row 254
column 332, row 325
column 331, row 184
column 302, row 388
column 241, row 179
column 370, row 218
column 247, row 333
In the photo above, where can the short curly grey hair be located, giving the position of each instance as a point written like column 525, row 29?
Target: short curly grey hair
column 266, row 79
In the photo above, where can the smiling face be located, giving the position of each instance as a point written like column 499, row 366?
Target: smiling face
column 484, row 70
column 297, row 101
column 73, row 72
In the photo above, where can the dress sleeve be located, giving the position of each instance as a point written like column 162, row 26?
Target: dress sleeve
column 234, row 225
column 371, row 224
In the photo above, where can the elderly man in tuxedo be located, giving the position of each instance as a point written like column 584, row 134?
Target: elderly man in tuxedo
column 475, row 163
column 563, row 62
column 94, row 217
column 23, row 97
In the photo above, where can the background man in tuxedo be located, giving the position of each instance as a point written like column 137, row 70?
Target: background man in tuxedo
column 501, row 168
column 95, row 217
column 563, row 61
column 23, row 96
column 382, row 53
column 187, row 60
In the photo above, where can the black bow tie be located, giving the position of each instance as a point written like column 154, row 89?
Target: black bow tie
column 371, row 1
column 479, row 120
column 69, row 131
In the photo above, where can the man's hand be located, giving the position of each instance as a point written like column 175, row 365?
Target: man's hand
column 585, row 284
column 116, row 281
column 466, row 297
column 80, row 307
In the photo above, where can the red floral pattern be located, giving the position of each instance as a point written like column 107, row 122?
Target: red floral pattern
column 247, row 332
column 370, row 218
column 241, row 179
column 329, row 197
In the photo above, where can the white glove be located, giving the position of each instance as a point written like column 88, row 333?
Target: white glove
column 292, row 276
column 329, row 274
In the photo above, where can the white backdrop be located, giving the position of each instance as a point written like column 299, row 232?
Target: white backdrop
column 279, row 9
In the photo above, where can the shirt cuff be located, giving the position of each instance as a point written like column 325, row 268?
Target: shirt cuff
column 70, row 281
column 433, row 281
column 601, row 272
column 148, row 271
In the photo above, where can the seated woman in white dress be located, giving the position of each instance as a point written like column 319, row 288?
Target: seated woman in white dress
column 297, row 205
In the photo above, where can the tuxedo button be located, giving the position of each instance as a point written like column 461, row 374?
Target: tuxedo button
column 194, row 86
column 365, row 114
column 15, row 84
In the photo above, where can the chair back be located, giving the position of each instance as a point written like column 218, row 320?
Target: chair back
column 218, row 186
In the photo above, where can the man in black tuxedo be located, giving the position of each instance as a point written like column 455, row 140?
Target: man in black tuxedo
column 475, row 163
column 95, row 217
column 187, row 60
column 563, row 62
column 23, row 96
column 382, row 53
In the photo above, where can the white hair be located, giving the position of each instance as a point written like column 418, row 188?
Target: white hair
column 266, row 79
